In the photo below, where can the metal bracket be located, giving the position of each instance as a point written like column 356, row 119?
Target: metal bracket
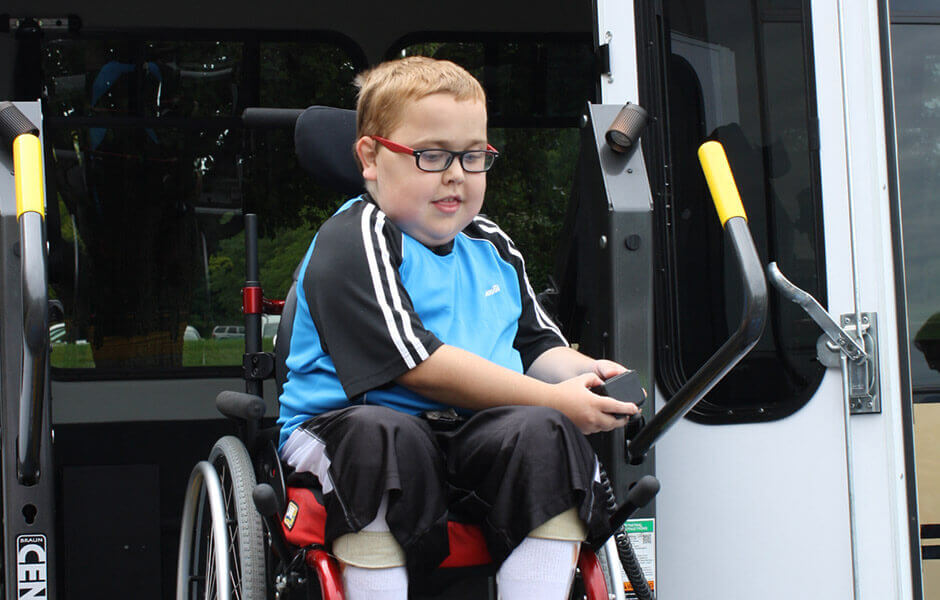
column 838, row 338
column 65, row 23
column 864, row 380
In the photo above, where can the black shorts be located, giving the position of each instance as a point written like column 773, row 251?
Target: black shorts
column 507, row 469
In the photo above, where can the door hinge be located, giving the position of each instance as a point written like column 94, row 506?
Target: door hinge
column 842, row 337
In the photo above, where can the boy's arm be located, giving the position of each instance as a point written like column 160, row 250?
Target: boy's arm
column 560, row 363
column 462, row 379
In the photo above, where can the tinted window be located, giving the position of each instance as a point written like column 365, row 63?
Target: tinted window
column 916, row 57
column 149, row 173
column 536, row 93
column 737, row 72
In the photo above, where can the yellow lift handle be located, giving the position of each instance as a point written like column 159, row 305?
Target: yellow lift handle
column 27, row 164
column 720, row 182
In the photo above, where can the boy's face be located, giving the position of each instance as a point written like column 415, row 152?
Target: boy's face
column 430, row 207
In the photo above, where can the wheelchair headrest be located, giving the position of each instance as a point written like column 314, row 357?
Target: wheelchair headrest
column 323, row 141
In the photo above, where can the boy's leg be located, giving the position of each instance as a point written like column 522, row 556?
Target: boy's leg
column 382, row 478
column 542, row 566
column 373, row 562
column 532, row 480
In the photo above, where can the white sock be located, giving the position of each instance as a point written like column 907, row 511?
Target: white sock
column 375, row 584
column 390, row 583
column 538, row 570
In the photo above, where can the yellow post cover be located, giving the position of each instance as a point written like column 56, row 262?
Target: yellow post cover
column 27, row 172
column 720, row 181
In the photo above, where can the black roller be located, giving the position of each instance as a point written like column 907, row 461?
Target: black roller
column 265, row 499
column 13, row 124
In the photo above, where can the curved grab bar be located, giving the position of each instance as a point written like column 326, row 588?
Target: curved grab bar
column 734, row 221
column 20, row 135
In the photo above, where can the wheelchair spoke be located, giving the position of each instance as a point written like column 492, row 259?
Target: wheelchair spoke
column 231, row 523
column 210, row 568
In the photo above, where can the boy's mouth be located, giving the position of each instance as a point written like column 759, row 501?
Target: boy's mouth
column 449, row 204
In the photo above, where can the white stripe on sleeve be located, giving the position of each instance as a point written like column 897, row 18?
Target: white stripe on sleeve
column 393, row 331
column 416, row 344
column 541, row 316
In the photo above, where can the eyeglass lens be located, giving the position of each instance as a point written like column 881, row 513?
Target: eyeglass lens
column 472, row 161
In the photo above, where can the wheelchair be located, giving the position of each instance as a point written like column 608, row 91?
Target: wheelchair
column 245, row 532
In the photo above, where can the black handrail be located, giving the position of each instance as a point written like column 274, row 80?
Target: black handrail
column 21, row 146
column 270, row 118
column 734, row 222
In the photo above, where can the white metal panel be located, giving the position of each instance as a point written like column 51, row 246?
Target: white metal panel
column 616, row 26
column 755, row 511
column 878, row 452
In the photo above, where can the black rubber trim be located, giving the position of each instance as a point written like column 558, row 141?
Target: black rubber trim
column 118, row 374
column 929, row 553
column 930, row 531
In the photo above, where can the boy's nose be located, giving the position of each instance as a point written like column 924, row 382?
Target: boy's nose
column 454, row 172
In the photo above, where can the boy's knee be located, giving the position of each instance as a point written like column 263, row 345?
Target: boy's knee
column 378, row 422
column 369, row 550
column 566, row 526
column 539, row 421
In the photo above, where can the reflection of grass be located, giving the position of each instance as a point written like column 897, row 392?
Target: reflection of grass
column 197, row 353
column 72, row 356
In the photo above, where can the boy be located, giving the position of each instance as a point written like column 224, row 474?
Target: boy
column 409, row 304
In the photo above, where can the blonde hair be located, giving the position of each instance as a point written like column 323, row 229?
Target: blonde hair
column 387, row 88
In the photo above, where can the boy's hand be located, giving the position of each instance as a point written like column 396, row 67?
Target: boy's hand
column 591, row 412
column 605, row 369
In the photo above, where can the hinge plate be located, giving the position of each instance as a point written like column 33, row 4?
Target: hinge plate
column 864, row 380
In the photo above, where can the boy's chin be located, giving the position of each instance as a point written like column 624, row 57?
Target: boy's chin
column 433, row 239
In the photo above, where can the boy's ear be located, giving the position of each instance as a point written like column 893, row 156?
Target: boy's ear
column 365, row 150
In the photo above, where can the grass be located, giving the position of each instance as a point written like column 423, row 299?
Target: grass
column 196, row 353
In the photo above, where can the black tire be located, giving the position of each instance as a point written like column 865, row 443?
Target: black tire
column 245, row 529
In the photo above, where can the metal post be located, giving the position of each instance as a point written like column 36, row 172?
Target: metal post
column 853, row 532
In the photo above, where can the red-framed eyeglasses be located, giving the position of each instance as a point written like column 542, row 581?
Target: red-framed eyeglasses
column 435, row 160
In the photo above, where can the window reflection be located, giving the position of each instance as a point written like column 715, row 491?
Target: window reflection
column 737, row 74
column 105, row 78
column 150, row 172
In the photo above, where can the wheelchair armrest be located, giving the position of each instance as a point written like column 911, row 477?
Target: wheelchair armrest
column 240, row 406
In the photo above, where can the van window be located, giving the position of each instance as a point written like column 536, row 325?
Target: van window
column 739, row 72
column 537, row 87
column 916, row 56
column 149, row 171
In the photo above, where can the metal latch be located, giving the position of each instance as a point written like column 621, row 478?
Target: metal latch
column 858, row 344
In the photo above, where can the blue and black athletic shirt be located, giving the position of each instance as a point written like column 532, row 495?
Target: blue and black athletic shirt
column 373, row 302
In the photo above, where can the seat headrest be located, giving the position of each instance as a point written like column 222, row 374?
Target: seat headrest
column 323, row 141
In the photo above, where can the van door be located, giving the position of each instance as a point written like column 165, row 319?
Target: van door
column 756, row 495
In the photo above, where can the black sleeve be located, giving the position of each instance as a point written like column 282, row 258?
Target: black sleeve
column 537, row 331
column 361, row 310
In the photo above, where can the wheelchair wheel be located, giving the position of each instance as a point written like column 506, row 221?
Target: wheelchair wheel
column 222, row 531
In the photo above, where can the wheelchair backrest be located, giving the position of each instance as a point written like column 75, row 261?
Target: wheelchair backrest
column 323, row 142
